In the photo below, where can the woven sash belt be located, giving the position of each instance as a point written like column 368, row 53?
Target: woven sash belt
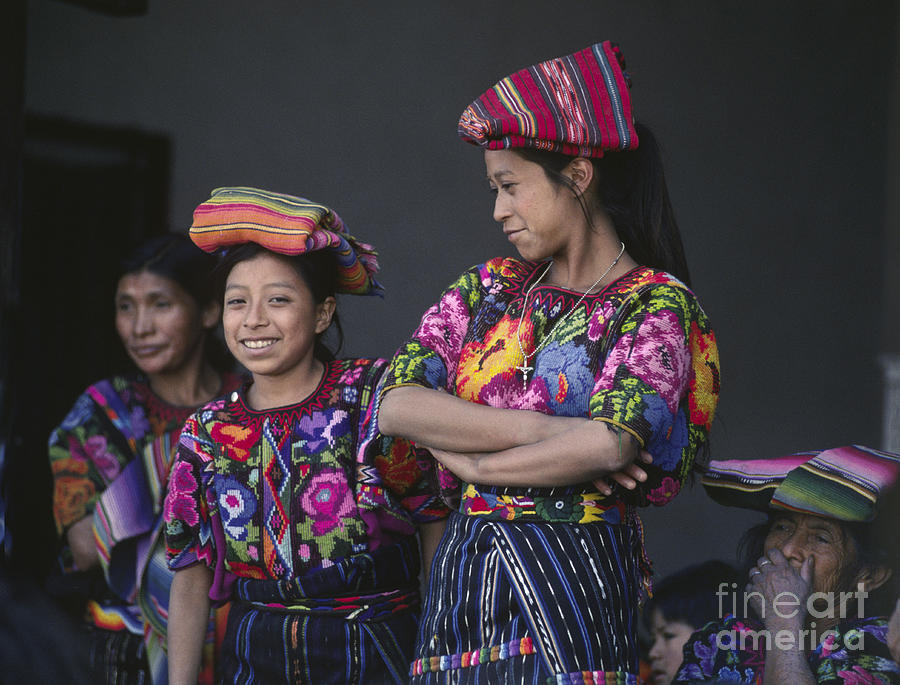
column 583, row 507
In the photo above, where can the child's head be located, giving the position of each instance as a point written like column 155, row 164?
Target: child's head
column 682, row 603
column 277, row 308
column 283, row 259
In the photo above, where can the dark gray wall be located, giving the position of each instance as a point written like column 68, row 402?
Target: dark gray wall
column 772, row 116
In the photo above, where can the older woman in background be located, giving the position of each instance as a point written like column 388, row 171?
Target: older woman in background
column 111, row 455
column 820, row 573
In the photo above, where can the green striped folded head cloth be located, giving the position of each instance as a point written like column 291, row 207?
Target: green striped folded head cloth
column 843, row 483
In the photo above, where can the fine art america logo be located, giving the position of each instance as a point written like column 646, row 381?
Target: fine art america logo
column 787, row 605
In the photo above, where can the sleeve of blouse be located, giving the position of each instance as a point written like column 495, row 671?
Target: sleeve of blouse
column 858, row 655
column 77, row 482
column 660, row 383
column 429, row 359
column 186, row 513
column 698, row 656
column 405, row 470
column 711, row 654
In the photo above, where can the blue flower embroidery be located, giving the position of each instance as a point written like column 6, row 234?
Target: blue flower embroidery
column 236, row 506
column 322, row 428
column 670, row 434
column 79, row 413
column 569, row 382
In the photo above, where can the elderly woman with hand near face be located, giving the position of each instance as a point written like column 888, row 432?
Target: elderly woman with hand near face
column 820, row 573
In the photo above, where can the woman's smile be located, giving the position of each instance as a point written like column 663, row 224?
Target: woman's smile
column 259, row 344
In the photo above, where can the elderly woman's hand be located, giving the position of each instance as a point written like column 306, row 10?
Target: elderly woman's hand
column 778, row 592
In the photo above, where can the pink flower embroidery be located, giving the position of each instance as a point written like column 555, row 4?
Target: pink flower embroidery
column 351, row 375
column 505, row 390
column 858, row 676
column 668, row 488
column 658, row 355
column 96, row 447
column 443, row 327
column 326, row 501
column 597, row 324
column 179, row 499
column 828, row 645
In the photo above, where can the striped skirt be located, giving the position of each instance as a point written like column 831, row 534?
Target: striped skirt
column 340, row 625
column 536, row 602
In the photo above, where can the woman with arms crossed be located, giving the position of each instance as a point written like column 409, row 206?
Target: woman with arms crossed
column 563, row 366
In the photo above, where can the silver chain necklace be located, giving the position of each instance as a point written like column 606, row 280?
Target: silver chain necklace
column 525, row 368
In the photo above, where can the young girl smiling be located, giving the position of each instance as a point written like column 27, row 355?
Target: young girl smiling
column 283, row 498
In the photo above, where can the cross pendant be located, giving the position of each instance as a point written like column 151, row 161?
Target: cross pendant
column 525, row 371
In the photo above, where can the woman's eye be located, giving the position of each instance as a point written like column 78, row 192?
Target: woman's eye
column 163, row 304
column 278, row 299
column 233, row 302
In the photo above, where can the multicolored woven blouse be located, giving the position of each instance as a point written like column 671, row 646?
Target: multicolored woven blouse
column 856, row 653
column 639, row 355
column 110, row 458
column 277, row 494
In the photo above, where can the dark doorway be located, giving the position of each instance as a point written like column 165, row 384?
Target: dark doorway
column 89, row 194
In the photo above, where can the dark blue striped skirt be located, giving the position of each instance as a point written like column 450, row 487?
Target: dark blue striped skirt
column 354, row 622
column 536, row 602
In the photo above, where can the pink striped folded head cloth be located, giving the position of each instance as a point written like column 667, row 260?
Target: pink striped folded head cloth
column 844, row 483
column 287, row 225
column 579, row 105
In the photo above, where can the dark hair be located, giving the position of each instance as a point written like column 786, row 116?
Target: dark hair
column 872, row 543
column 319, row 271
column 689, row 595
column 632, row 189
column 175, row 257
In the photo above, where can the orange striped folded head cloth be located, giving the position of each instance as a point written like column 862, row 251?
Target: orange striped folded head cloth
column 288, row 225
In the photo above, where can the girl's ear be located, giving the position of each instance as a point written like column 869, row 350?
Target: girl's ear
column 581, row 173
column 324, row 313
column 211, row 314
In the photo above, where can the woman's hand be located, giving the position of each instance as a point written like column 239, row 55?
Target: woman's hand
column 628, row 477
column 463, row 465
column 778, row 593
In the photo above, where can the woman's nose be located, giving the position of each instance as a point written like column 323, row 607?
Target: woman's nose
column 501, row 209
column 143, row 321
column 793, row 549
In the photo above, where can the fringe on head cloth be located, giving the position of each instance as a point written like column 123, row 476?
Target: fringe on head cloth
column 287, row 225
column 843, row 483
column 579, row 105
